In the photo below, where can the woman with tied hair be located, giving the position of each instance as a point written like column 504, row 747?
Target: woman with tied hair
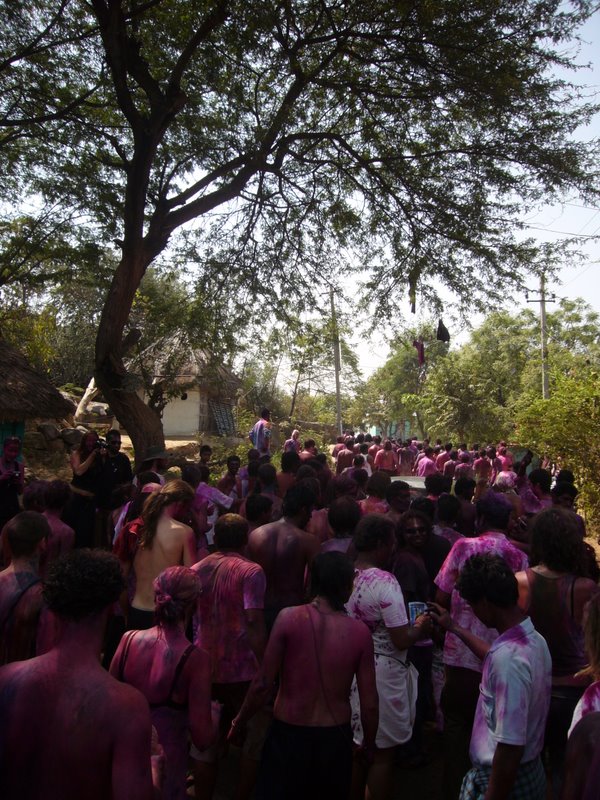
column 172, row 674
column 554, row 592
column 163, row 541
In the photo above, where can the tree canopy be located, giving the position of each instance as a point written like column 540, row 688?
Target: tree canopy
column 268, row 134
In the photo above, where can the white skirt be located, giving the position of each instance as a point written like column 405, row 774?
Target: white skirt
column 397, row 690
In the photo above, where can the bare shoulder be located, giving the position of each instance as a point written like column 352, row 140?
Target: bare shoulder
column 263, row 534
column 359, row 631
column 129, row 706
column 198, row 659
column 258, row 534
column 11, row 675
column 288, row 616
column 180, row 528
column 310, row 541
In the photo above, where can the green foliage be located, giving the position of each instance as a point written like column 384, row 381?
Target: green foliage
column 31, row 332
column 566, row 428
column 459, row 403
column 391, row 127
column 476, row 391
column 394, row 392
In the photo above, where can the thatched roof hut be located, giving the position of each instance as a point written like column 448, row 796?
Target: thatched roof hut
column 26, row 393
column 199, row 392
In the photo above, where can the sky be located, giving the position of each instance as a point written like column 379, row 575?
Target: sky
column 548, row 224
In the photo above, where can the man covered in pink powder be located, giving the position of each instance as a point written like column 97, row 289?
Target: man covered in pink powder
column 514, row 697
column 426, row 465
column 230, row 626
column 68, row 729
column 463, row 668
column 62, row 538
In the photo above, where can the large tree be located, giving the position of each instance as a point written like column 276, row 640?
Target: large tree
column 413, row 130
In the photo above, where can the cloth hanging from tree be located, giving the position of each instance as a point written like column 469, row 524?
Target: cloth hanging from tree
column 443, row 334
column 420, row 348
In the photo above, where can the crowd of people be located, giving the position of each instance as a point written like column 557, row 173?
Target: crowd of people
column 329, row 619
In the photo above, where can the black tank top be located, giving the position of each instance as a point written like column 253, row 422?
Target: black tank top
column 168, row 702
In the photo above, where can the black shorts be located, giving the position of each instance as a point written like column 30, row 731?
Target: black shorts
column 300, row 762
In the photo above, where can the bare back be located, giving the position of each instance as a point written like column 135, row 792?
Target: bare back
column 320, row 655
column 20, row 612
column 168, row 670
column 285, row 552
column 71, row 732
column 173, row 545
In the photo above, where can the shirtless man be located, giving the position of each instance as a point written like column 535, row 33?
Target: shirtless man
column 345, row 457
column 163, row 542
column 285, row 550
column 290, row 462
column 69, row 730
column 258, row 511
column 316, row 650
column 20, row 587
column 62, row 538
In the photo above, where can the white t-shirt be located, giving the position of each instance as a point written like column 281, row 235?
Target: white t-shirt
column 377, row 601
column 514, row 695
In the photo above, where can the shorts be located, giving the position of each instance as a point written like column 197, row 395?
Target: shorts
column 530, row 783
column 300, row 762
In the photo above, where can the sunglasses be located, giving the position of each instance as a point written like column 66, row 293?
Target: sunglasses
column 420, row 529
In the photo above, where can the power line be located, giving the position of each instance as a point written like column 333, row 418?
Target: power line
column 579, row 274
column 564, row 233
column 585, row 224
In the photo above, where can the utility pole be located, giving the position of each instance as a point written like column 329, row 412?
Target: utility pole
column 542, row 300
column 336, row 361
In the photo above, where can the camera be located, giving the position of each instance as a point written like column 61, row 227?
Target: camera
column 100, row 444
column 16, row 474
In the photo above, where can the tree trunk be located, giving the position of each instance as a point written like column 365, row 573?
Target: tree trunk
column 142, row 424
column 89, row 394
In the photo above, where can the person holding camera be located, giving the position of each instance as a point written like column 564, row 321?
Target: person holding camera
column 87, row 466
column 11, row 480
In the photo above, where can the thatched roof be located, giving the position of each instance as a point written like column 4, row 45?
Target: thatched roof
column 176, row 361
column 25, row 393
